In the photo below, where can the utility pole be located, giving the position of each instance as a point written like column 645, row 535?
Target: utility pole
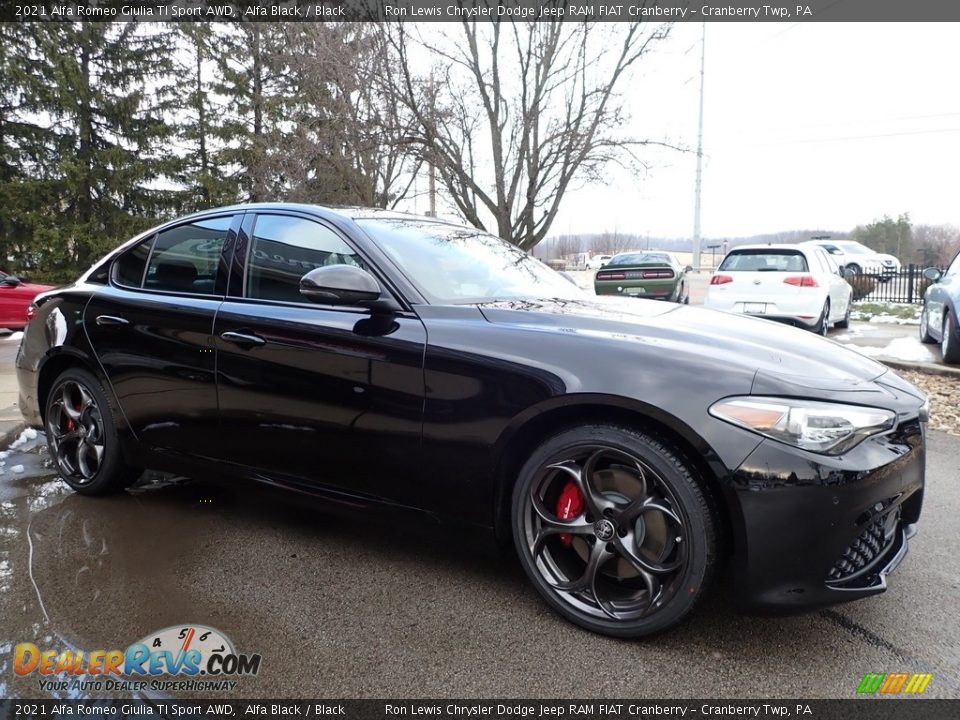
column 696, row 202
column 432, row 189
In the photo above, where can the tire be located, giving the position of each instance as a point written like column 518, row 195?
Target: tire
column 630, row 580
column 925, row 336
column 845, row 323
column 949, row 340
column 854, row 268
column 82, row 436
column 823, row 325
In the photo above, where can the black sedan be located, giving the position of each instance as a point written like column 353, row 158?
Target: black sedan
column 628, row 449
column 940, row 318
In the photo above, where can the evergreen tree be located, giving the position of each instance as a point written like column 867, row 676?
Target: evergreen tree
column 199, row 125
column 111, row 90
column 27, row 188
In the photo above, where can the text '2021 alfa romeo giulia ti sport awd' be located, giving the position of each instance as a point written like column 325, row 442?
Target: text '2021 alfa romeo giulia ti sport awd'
column 629, row 449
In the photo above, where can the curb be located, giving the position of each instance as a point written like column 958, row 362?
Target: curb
column 928, row 368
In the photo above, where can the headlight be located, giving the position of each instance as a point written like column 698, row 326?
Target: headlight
column 820, row 427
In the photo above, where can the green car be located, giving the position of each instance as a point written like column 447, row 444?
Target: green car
column 653, row 275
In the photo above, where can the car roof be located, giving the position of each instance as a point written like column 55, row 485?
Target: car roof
column 773, row 248
column 347, row 212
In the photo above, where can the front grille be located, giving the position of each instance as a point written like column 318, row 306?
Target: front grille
column 860, row 556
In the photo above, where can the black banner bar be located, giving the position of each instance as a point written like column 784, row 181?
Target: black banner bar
column 893, row 708
column 488, row 10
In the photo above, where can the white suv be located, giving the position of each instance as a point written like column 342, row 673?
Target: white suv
column 860, row 259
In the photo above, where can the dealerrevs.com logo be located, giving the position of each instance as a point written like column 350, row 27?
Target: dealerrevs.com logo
column 189, row 657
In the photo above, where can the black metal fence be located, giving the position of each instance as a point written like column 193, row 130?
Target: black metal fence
column 905, row 286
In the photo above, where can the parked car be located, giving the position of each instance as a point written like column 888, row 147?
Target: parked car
column 653, row 275
column 796, row 284
column 598, row 261
column 379, row 361
column 15, row 300
column 940, row 317
column 859, row 259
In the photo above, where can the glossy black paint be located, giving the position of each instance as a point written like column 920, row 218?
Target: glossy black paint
column 435, row 407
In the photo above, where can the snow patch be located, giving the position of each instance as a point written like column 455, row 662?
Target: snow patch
column 15, row 336
column 906, row 349
column 17, row 468
column 26, row 436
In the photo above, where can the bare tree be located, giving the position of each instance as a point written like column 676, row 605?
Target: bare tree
column 611, row 243
column 512, row 114
column 936, row 244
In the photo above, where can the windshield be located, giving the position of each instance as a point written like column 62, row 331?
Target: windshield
column 640, row 258
column 450, row 264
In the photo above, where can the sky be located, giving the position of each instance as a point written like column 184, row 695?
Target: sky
column 806, row 126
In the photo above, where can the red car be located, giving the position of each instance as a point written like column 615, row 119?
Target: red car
column 15, row 298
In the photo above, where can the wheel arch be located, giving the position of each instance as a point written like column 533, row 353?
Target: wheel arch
column 60, row 359
column 537, row 424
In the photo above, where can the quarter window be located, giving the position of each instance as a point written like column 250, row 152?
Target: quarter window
column 284, row 249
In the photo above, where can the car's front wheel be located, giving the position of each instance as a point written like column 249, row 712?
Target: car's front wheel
column 925, row 336
column 614, row 530
column 845, row 322
column 82, row 436
column 823, row 325
column 949, row 342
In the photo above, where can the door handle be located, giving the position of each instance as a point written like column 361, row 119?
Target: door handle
column 111, row 321
column 247, row 340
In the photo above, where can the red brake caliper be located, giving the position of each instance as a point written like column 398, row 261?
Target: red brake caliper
column 569, row 505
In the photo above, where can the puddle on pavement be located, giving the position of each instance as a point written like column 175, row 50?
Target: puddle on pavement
column 89, row 574
column 82, row 573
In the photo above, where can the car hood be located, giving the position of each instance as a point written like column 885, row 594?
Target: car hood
column 773, row 350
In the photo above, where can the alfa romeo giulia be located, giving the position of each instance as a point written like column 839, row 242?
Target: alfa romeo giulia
column 629, row 450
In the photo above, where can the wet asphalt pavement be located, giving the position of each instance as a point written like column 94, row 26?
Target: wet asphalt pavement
column 340, row 607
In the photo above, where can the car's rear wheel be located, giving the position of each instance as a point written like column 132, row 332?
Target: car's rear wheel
column 925, row 336
column 949, row 342
column 823, row 325
column 82, row 436
column 613, row 529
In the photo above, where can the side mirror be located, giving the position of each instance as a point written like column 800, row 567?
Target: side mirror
column 340, row 285
column 11, row 280
column 848, row 273
column 933, row 274
column 688, row 268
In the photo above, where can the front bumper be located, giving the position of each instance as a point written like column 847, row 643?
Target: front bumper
column 815, row 530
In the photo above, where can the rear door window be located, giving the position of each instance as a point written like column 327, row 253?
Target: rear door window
column 182, row 259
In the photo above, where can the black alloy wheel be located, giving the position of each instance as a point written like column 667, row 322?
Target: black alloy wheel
column 613, row 530
column 82, row 438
